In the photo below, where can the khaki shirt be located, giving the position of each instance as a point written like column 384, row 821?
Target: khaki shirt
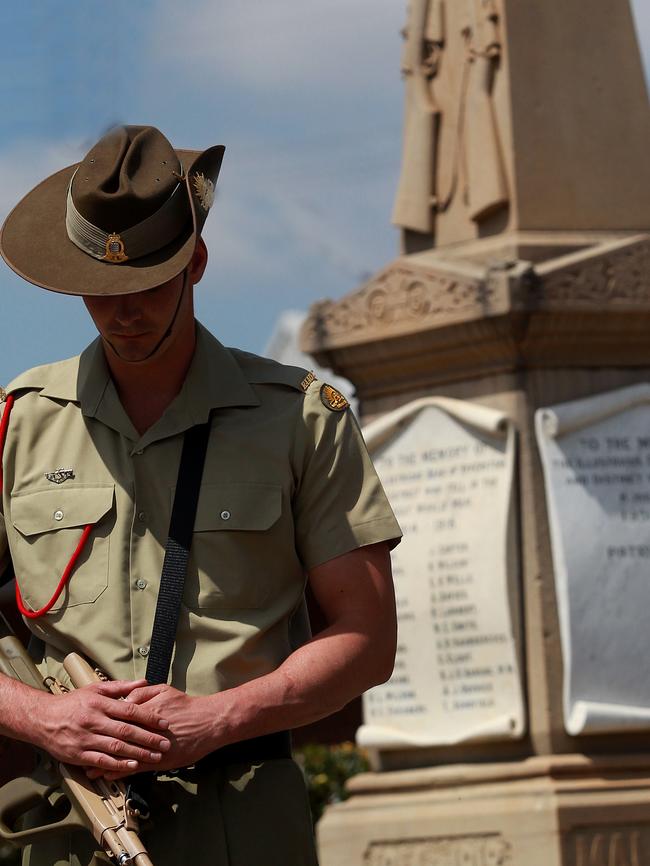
column 287, row 485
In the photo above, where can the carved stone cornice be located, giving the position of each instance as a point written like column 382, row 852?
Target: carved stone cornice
column 402, row 296
column 533, row 300
column 617, row 277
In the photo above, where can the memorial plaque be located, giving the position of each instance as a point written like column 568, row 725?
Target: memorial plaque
column 596, row 459
column 447, row 467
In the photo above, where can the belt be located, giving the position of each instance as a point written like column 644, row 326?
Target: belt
column 257, row 750
column 270, row 747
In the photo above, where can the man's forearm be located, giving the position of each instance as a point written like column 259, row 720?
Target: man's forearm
column 316, row 680
column 355, row 652
column 20, row 705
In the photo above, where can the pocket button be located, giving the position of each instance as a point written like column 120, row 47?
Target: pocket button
column 225, row 515
column 58, row 515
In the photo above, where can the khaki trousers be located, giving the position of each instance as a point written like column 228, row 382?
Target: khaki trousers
column 232, row 816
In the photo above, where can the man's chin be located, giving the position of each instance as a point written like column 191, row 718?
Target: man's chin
column 131, row 350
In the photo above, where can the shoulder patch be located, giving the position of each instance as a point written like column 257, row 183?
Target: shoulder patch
column 333, row 399
column 309, row 378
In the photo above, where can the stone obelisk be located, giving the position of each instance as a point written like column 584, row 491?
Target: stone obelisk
column 501, row 363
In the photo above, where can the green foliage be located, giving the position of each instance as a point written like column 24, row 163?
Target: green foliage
column 327, row 769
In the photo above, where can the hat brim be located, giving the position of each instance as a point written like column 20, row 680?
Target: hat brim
column 34, row 241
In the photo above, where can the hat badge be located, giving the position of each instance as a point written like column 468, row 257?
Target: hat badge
column 204, row 189
column 114, row 249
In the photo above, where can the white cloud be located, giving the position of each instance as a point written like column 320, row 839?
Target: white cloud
column 282, row 43
column 279, row 218
column 25, row 163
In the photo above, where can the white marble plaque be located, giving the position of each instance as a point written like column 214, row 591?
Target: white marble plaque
column 447, row 467
column 596, row 459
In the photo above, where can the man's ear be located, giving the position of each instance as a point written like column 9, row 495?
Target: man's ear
column 198, row 262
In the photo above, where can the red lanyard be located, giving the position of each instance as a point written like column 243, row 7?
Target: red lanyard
column 4, row 425
column 35, row 614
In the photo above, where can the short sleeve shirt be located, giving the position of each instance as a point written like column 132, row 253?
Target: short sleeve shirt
column 287, row 485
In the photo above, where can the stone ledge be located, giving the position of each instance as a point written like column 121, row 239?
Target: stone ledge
column 473, row 310
column 570, row 767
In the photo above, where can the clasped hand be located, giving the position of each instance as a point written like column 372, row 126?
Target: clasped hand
column 115, row 729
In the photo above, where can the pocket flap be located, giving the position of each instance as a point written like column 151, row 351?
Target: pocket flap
column 238, row 507
column 46, row 510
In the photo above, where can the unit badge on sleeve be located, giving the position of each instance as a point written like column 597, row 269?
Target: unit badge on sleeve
column 333, row 399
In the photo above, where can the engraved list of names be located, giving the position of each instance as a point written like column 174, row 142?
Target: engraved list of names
column 596, row 458
column 447, row 468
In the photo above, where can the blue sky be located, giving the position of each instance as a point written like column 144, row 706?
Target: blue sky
column 305, row 95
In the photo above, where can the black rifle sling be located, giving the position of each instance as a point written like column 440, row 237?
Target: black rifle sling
column 177, row 553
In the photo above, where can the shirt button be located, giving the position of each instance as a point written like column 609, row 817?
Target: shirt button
column 58, row 515
column 144, row 651
column 225, row 515
column 141, row 583
column 139, row 452
column 142, row 516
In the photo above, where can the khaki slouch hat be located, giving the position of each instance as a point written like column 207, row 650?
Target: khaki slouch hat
column 125, row 219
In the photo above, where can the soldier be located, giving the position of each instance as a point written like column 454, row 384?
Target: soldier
column 91, row 461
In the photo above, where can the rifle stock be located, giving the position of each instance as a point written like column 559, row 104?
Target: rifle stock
column 100, row 807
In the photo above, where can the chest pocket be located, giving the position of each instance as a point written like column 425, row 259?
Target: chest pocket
column 47, row 527
column 236, row 531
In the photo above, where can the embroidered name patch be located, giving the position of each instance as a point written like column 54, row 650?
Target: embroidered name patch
column 60, row 475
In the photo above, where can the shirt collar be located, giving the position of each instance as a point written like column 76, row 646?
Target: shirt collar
column 214, row 381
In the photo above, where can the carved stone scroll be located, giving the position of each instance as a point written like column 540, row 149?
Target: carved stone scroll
column 596, row 459
column 447, row 466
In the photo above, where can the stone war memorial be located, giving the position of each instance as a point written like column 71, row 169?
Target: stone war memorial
column 502, row 367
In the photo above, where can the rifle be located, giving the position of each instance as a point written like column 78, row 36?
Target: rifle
column 105, row 809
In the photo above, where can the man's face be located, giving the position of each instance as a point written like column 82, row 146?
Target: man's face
column 146, row 324
column 134, row 326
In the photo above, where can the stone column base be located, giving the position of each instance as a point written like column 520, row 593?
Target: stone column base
column 564, row 810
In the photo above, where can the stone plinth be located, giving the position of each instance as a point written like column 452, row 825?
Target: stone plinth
column 561, row 811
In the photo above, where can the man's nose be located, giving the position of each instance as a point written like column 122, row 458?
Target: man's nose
column 127, row 311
